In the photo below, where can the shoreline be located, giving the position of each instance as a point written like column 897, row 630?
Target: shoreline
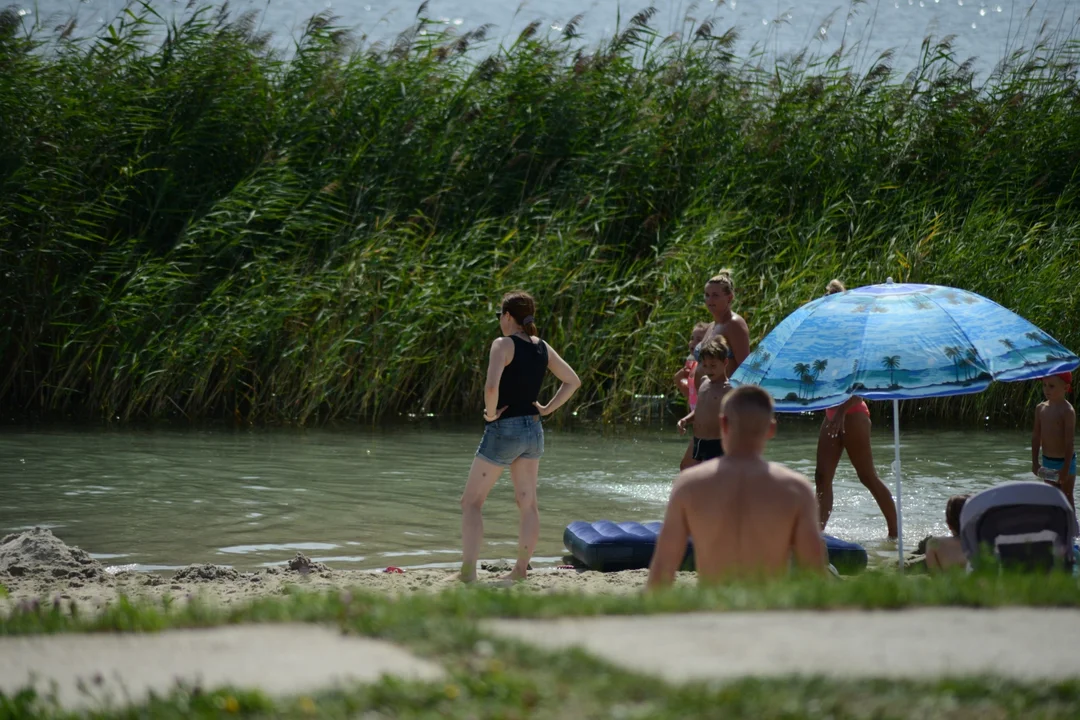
column 229, row 588
column 36, row 567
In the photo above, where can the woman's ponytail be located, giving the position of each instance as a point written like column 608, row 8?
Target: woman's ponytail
column 522, row 307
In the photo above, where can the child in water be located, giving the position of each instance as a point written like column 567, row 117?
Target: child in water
column 1053, row 435
column 684, row 379
column 945, row 553
column 705, row 417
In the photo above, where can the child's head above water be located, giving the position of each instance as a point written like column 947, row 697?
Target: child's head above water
column 834, row 286
column 1056, row 387
column 953, row 506
column 698, row 334
column 714, row 355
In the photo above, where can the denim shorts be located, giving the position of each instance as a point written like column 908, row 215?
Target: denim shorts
column 508, row 439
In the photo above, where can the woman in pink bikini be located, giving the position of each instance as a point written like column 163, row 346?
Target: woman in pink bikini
column 847, row 427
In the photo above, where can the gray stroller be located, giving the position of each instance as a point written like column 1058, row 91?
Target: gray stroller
column 1019, row 526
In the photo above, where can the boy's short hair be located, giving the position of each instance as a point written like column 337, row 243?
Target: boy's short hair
column 700, row 327
column 953, row 506
column 748, row 409
column 716, row 348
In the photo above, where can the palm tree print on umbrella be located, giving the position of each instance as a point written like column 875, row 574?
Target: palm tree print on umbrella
column 1054, row 349
column 802, row 370
column 972, row 362
column 953, row 353
column 818, row 367
column 758, row 360
column 892, row 364
column 1035, row 337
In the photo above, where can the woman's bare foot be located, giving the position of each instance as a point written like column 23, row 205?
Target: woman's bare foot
column 467, row 575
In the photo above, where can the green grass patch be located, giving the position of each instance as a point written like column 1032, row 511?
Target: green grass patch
column 496, row 678
column 420, row 616
column 194, row 225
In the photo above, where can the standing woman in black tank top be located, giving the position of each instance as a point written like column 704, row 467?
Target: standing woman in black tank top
column 513, row 436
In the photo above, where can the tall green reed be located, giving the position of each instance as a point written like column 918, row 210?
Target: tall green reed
column 195, row 224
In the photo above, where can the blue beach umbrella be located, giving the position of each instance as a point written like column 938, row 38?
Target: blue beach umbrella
column 897, row 342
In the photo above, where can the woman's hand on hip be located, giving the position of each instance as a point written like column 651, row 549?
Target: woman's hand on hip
column 498, row 413
column 545, row 410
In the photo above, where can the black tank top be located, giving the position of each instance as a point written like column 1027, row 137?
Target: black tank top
column 521, row 379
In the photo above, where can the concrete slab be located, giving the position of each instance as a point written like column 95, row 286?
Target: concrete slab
column 277, row 659
column 1021, row 643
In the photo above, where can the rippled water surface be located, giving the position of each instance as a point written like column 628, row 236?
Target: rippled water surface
column 368, row 499
column 986, row 29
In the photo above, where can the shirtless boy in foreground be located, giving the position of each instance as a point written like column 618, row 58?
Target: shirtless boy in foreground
column 748, row 517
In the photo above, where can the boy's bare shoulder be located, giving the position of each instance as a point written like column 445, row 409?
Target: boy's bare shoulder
column 1062, row 410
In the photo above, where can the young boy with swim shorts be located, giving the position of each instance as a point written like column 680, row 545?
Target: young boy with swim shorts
column 705, row 417
column 1053, row 436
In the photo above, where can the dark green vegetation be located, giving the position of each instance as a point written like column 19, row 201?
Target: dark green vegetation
column 495, row 678
column 193, row 225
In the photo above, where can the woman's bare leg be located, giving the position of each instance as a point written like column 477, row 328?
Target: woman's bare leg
column 857, row 444
column 524, row 473
column 482, row 477
column 829, row 450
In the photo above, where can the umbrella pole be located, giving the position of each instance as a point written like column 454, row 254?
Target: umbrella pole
column 899, row 494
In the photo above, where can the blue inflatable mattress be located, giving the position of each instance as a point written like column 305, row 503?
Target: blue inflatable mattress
column 608, row 546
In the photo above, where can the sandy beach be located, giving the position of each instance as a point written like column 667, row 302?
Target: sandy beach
column 37, row 565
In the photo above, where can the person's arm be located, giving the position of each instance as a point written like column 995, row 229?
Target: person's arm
column 836, row 425
column 1065, row 478
column 570, row 382
column 682, row 381
column 671, row 543
column 737, row 335
column 1036, row 442
column 807, row 545
column 498, row 358
column 688, row 420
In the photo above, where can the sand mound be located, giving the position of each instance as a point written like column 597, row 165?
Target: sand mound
column 304, row 565
column 38, row 553
column 205, row 572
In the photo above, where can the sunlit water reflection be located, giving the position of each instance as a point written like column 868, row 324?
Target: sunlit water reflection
column 367, row 499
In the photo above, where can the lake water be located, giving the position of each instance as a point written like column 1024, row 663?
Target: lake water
column 986, row 29
column 358, row 498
